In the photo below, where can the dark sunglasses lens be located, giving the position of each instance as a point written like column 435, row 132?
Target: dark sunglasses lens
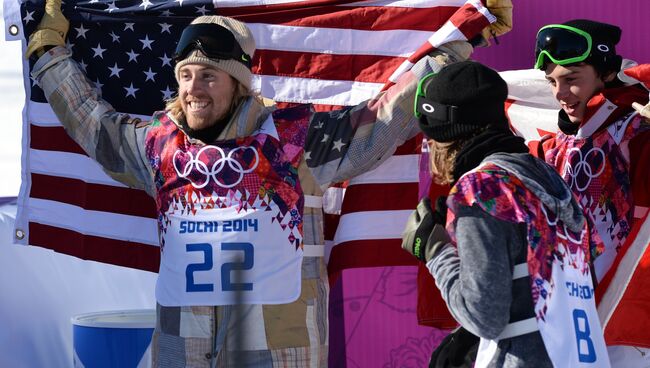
column 213, row 40
column 561, row 43
column 221, row 47
column 185, row 43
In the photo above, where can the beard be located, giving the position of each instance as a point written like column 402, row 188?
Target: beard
column 206, row 134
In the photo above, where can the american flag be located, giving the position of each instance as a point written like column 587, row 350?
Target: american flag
column 329, row 53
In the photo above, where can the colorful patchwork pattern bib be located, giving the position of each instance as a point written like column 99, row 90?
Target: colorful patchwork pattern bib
column 558, row 265
column 597, row 171
column 229, row 213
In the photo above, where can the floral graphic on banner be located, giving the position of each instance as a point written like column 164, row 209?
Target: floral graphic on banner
column 380, row 301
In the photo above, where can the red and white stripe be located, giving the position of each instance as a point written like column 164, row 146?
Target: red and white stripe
column 373, row 213
column 625, row 286
column 463, row 25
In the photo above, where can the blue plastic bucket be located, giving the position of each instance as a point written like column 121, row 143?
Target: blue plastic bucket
column 113, row 339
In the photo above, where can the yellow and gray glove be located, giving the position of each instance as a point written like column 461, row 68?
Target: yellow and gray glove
column 51, row 31
column 502, row 9
column 425, row 232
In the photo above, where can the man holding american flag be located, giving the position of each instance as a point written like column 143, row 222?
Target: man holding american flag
column 236, row 184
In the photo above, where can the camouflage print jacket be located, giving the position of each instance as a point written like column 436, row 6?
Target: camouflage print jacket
column 289, row 335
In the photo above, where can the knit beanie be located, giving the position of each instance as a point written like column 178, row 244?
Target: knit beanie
column 604, row 39
column 235, row 68
column 460, row 100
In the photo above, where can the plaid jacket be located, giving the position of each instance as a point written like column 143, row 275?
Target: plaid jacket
column 287, row 335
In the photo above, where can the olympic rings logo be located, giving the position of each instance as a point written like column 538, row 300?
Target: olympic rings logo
column 212, row 172
column 590, row 167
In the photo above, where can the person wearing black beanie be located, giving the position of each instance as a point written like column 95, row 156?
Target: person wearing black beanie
column 490, row 245
column 602, row 150
column 464, row 103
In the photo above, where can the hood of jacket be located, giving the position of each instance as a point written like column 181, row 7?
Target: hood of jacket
column 542, row 179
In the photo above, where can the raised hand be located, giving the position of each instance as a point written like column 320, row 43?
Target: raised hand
column 51, row 31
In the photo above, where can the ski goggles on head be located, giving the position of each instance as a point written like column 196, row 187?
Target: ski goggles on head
column 213, row 40
column 435, row 110
column 562, row 45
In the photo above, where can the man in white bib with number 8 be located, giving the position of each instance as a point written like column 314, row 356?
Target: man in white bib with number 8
column 237, row 185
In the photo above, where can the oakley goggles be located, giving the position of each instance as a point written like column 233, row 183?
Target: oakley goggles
column 213, row 40
column 432, row 109
column 562, row 45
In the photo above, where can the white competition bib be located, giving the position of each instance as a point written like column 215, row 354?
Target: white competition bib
column 570, row 327
column 572, row 333
column 557, row 268
column 222, row 256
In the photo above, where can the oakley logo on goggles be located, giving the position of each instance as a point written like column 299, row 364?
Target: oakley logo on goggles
column 433, row 109
column 213, row 40
column 562, row 45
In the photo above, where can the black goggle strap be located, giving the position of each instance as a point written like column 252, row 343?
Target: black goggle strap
column 213, row 40
column 423, row 106
column 436, row 110
column 237, row 54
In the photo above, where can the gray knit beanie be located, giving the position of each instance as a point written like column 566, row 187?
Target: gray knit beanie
column 235, row 68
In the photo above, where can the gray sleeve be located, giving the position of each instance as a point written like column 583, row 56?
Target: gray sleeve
column 115, row 140
column 345, row 143
column 475, row 278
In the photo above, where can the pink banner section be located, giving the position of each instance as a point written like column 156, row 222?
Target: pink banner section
column 373, row 321
column 516, row 48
